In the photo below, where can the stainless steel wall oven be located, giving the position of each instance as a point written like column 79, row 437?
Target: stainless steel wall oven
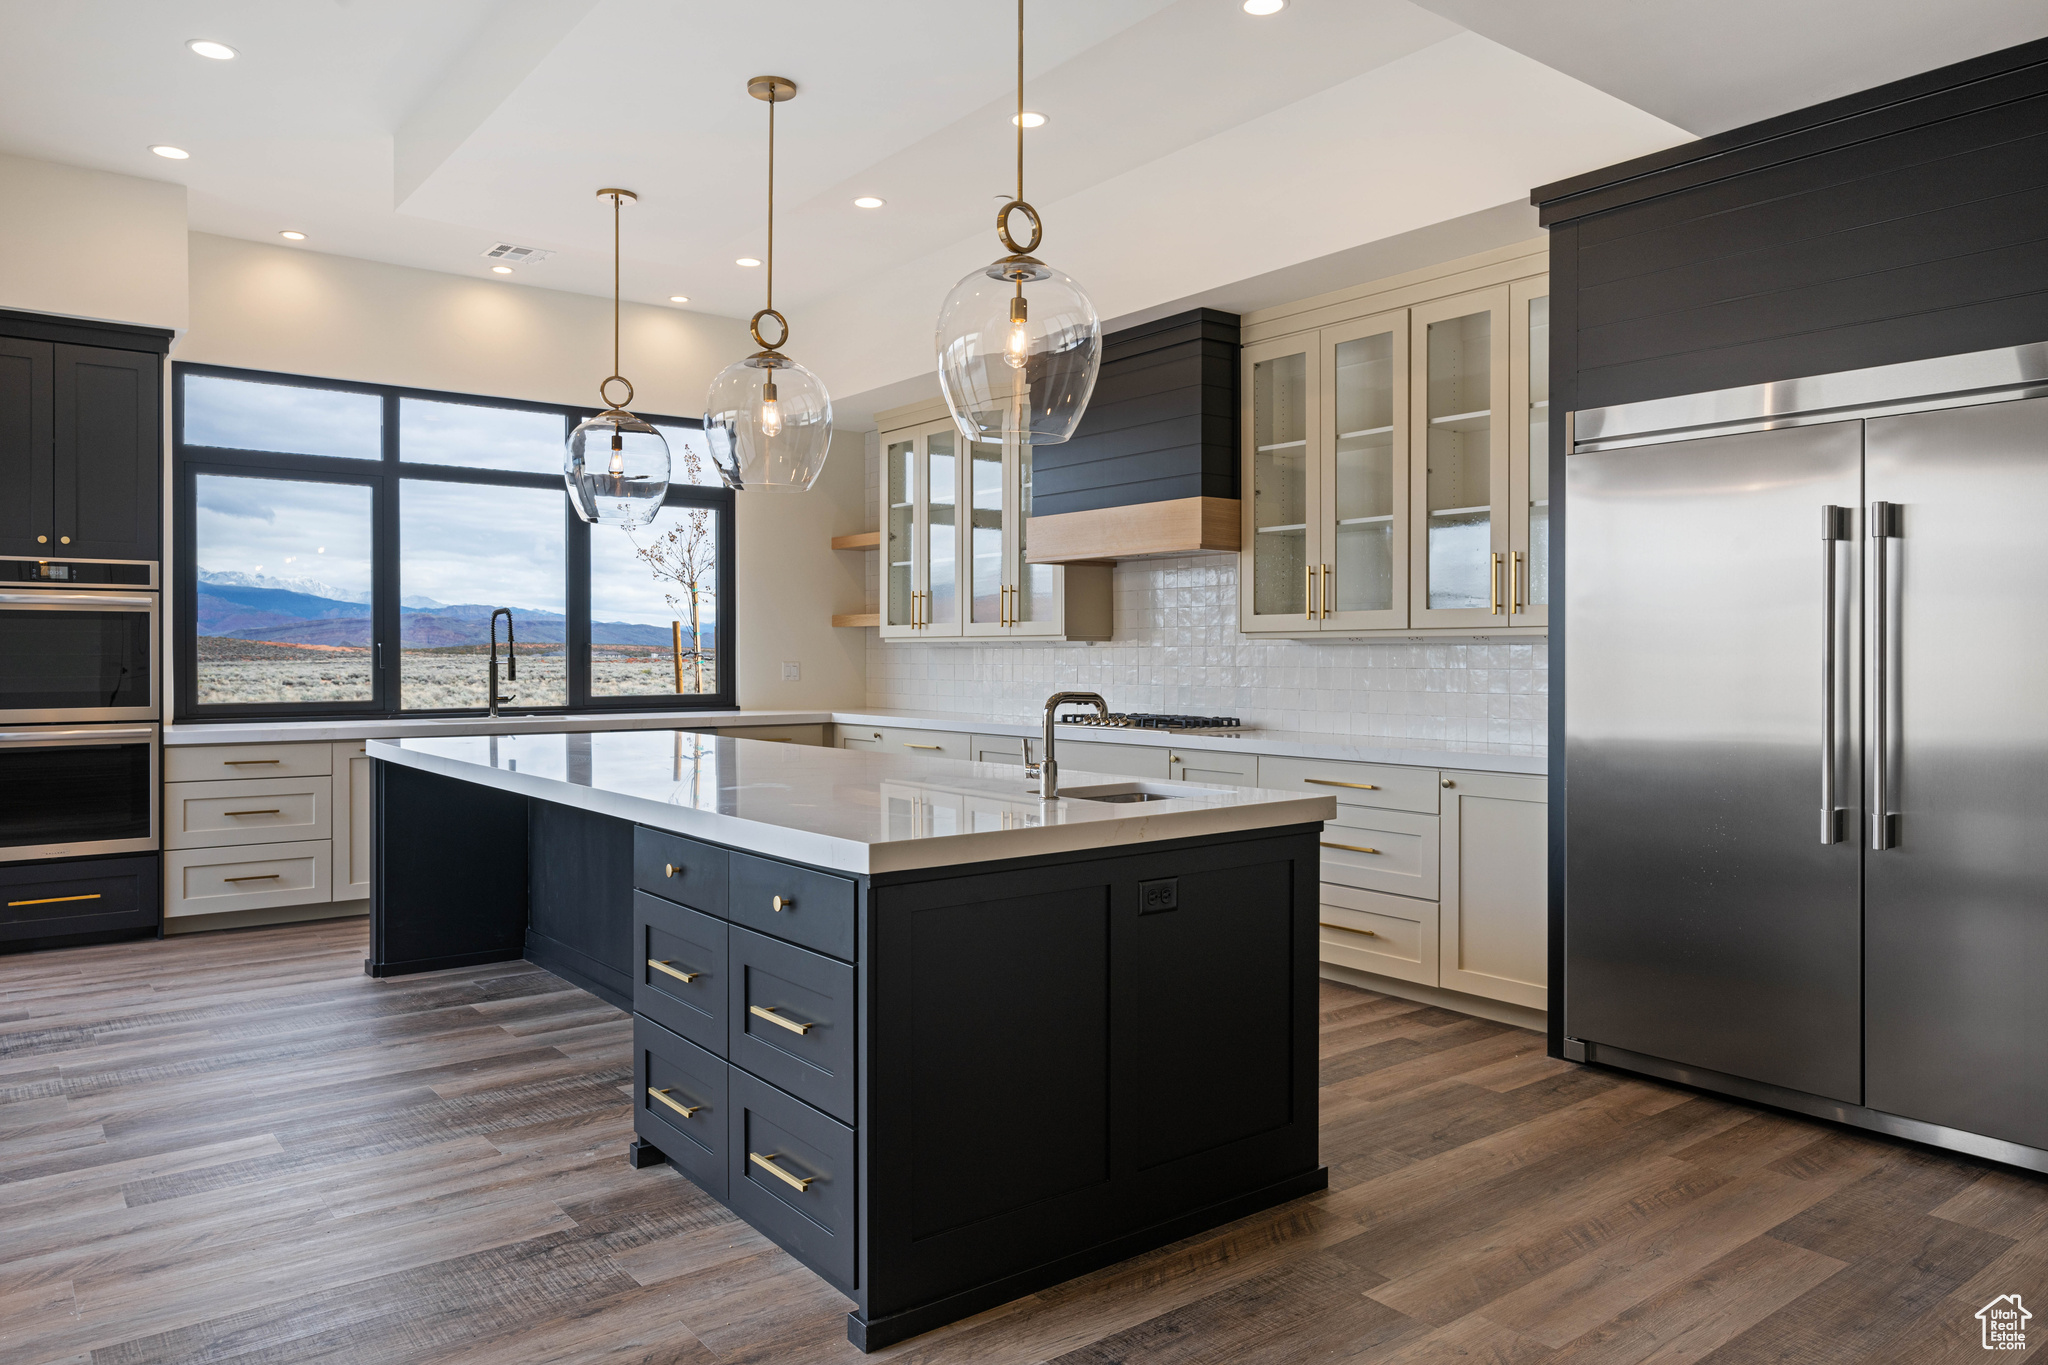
column 69, row 791
column 78, row 641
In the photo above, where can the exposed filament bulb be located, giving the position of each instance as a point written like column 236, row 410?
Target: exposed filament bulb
column 770, row 416
column 1017, row 351
column 618, row 465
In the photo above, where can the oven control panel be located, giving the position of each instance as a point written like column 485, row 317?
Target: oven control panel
column 77, row 572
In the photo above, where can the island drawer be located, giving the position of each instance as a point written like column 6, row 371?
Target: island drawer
column 222, row 762
column 1354, row 784
column 811, row 908
column 679, row 970
column 679, row 869
column 791, row 1020
column 679, row 1103
column 790, row 1172
column 1382, row 850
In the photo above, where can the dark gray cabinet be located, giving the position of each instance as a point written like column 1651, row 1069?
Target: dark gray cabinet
column 81, row 450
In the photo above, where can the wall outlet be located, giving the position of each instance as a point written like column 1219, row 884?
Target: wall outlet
column 789, row 670
column 1162, row 895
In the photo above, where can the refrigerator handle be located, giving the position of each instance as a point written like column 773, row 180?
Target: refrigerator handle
column 1834, row 529
column 1884, row 527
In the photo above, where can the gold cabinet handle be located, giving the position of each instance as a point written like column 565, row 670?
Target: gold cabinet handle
column 1514, row 581
column 686, row 1110
column 678, row 973
column 767, row 1163
column 1369, row 933
column 908, row 745
column 273, row 810
column 1493, row 575
column 669, row 869
column 1327, row 593
column 254, row 877
column 52, row 900
column 247, row 762
column 1308, row 590
column 1448, row 783
column 1333, row 782
column 1350, row 848
column 768, row 1012
column 782, row 903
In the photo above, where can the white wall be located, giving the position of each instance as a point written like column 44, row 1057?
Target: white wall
column 91, row 244
column 302, row 312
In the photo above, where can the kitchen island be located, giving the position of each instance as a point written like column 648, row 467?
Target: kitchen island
column 945, row 1042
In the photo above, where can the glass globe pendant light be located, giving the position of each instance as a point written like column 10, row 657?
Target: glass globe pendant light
column 1019, row 343
column 767, row 419
column 616, row 466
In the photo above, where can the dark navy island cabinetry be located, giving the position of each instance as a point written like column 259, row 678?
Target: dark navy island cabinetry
column 939, row 1087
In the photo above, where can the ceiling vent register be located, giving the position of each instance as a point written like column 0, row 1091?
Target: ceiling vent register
column 517, row 255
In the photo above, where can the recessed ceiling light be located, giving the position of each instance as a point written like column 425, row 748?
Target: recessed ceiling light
column 868, row 201
column 1264, row 6
column 1029, row 118
column 678, row 298
column 171, row 153
column 206, row 47
column 746, row 260
column 501, row 270
column 290, row 236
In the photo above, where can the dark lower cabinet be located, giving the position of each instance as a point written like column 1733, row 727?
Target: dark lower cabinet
column 1022, row 1075
column 85, row 900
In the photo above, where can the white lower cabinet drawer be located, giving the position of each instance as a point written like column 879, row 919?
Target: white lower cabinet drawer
column 205, row 881
column 1355, row 784
column 1119, row 760
column 890, row 739
column 263, row 811
column 229, row 762
column 1217, row 768
column 1382, row 850
column 1392, row 935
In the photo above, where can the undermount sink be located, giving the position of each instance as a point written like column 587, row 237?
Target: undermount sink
column 1123, row 792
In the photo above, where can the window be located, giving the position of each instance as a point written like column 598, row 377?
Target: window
column 341, row 549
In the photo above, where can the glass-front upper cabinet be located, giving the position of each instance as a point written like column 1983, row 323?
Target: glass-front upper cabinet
column 1462, row 504
column 956, row 544
column 921, row 536
column 1362, row 563
column 1528, row 587
column 1281, row 549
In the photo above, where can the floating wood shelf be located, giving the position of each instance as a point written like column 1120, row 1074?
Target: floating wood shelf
column 860, row 540
column 857, row 618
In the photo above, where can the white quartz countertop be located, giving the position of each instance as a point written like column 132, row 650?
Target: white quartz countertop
column 850, row 810
column 1425, row 753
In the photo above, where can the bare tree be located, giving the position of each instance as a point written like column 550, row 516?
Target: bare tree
column 687, row 556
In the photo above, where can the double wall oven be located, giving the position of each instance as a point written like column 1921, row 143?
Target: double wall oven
column 79, row 707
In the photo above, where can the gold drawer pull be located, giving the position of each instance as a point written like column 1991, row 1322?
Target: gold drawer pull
column 768, row 1012
column 669, row 869
column 247, row 762
column 908, row 745
column 52, row 900
column 1369, row 933
column 767, row 1163
column 676, row 972
column 254, row 877
column 1333, row 782
column 686, row 1110
column 1351, row 848
column 272, row 811
column 782, row 903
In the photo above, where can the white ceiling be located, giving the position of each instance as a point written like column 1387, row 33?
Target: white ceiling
column 1192, row 151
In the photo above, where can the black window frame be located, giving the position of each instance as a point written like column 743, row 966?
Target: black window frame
column 384, row 476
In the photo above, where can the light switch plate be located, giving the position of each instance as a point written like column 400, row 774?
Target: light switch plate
column 789, row 670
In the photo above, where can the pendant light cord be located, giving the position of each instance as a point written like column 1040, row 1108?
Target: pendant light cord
column 1020, row 100
column 772, row 102
column 615, row 284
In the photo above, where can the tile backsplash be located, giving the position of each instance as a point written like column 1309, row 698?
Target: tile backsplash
column 1177, row 649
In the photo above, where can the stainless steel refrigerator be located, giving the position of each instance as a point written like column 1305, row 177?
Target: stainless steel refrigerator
column 1806, row 746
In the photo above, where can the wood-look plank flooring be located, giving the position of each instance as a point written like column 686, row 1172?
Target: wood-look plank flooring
column 234, row 1147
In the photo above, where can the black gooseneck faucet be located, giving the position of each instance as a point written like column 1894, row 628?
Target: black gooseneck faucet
column 511, row 662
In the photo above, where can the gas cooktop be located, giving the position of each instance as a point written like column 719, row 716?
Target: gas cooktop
column 1145, row 720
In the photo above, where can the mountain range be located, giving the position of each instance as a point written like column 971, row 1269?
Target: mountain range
column 307, row 612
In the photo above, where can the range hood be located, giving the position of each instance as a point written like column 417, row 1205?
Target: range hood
column 1153, row 468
